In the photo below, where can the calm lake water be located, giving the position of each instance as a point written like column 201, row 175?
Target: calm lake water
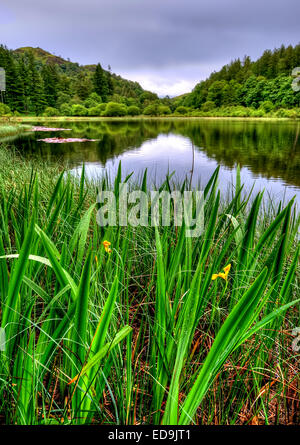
column 267, row 151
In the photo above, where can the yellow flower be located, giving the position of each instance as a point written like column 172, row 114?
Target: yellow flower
column 227, row 269
column 106, row 245
column 221, row 274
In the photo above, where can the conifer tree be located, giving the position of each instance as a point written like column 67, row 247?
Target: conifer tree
column 51, row 83
column 14, row 87
column 101, row 83
column 25, row 78
column 83, row 86
column 36, row 92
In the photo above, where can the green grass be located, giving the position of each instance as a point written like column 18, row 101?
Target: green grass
column 143, row 335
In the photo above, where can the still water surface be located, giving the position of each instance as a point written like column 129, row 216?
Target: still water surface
column 267, row 151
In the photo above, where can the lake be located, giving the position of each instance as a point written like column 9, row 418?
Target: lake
column 267, row 151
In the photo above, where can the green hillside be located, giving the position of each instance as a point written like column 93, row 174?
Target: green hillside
column 43, row 56
column 41, row 83
column 264, row 84
column 37, row 80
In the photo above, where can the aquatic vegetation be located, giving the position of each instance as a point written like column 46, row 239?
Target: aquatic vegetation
column 37, row 128
column 12, row 129
column 143, row 335
column 65, row 140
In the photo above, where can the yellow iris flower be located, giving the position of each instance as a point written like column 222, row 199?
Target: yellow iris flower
column 223, row 275
column 106, row 245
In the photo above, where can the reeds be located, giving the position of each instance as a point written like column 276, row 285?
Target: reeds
column 143, row 334
column 12, row 129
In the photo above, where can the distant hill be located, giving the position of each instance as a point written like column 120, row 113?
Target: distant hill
column 74, row 68
column 42, row 55
column 37, row 80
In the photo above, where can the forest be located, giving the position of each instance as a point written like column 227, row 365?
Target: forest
column 40, row 83
column 263, row 86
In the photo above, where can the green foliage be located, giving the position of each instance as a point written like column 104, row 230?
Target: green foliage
column 251, row 84
column 12, row 129
column 257, row 113
column 4, row 109
column 83, row 86
column 51, row 111
column 14, row 90
column 267, row 106
column 143, row 334
column 62, row 98
column 65, row 110
column 146, row 97
column 181, row 110
column 286, row 113
column 208, row 106
column 152, row 110
column 164, row 110
column 113, row 109
column 216, row 93
column 96, row 110
column 101, row 83
column 51, row 82
column 92, row 101
column 133, row 110
column 37, row 79
column 79, row 110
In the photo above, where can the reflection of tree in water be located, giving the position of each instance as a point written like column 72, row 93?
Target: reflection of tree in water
column 266, row 148
column 269, row 148
column 114, row 138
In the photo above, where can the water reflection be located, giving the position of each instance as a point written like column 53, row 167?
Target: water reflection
column 267, row 151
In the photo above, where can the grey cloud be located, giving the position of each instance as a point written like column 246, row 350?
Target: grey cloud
column 151, row 36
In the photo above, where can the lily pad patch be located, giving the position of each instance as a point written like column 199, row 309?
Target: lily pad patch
column 48, row 129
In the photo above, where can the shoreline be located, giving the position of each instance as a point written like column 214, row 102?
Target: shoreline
column 16, row 125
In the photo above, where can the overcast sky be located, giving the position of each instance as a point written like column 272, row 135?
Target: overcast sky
column 166, row 45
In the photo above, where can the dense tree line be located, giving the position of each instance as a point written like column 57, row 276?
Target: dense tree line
column 265, row 83
column 41, row 83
